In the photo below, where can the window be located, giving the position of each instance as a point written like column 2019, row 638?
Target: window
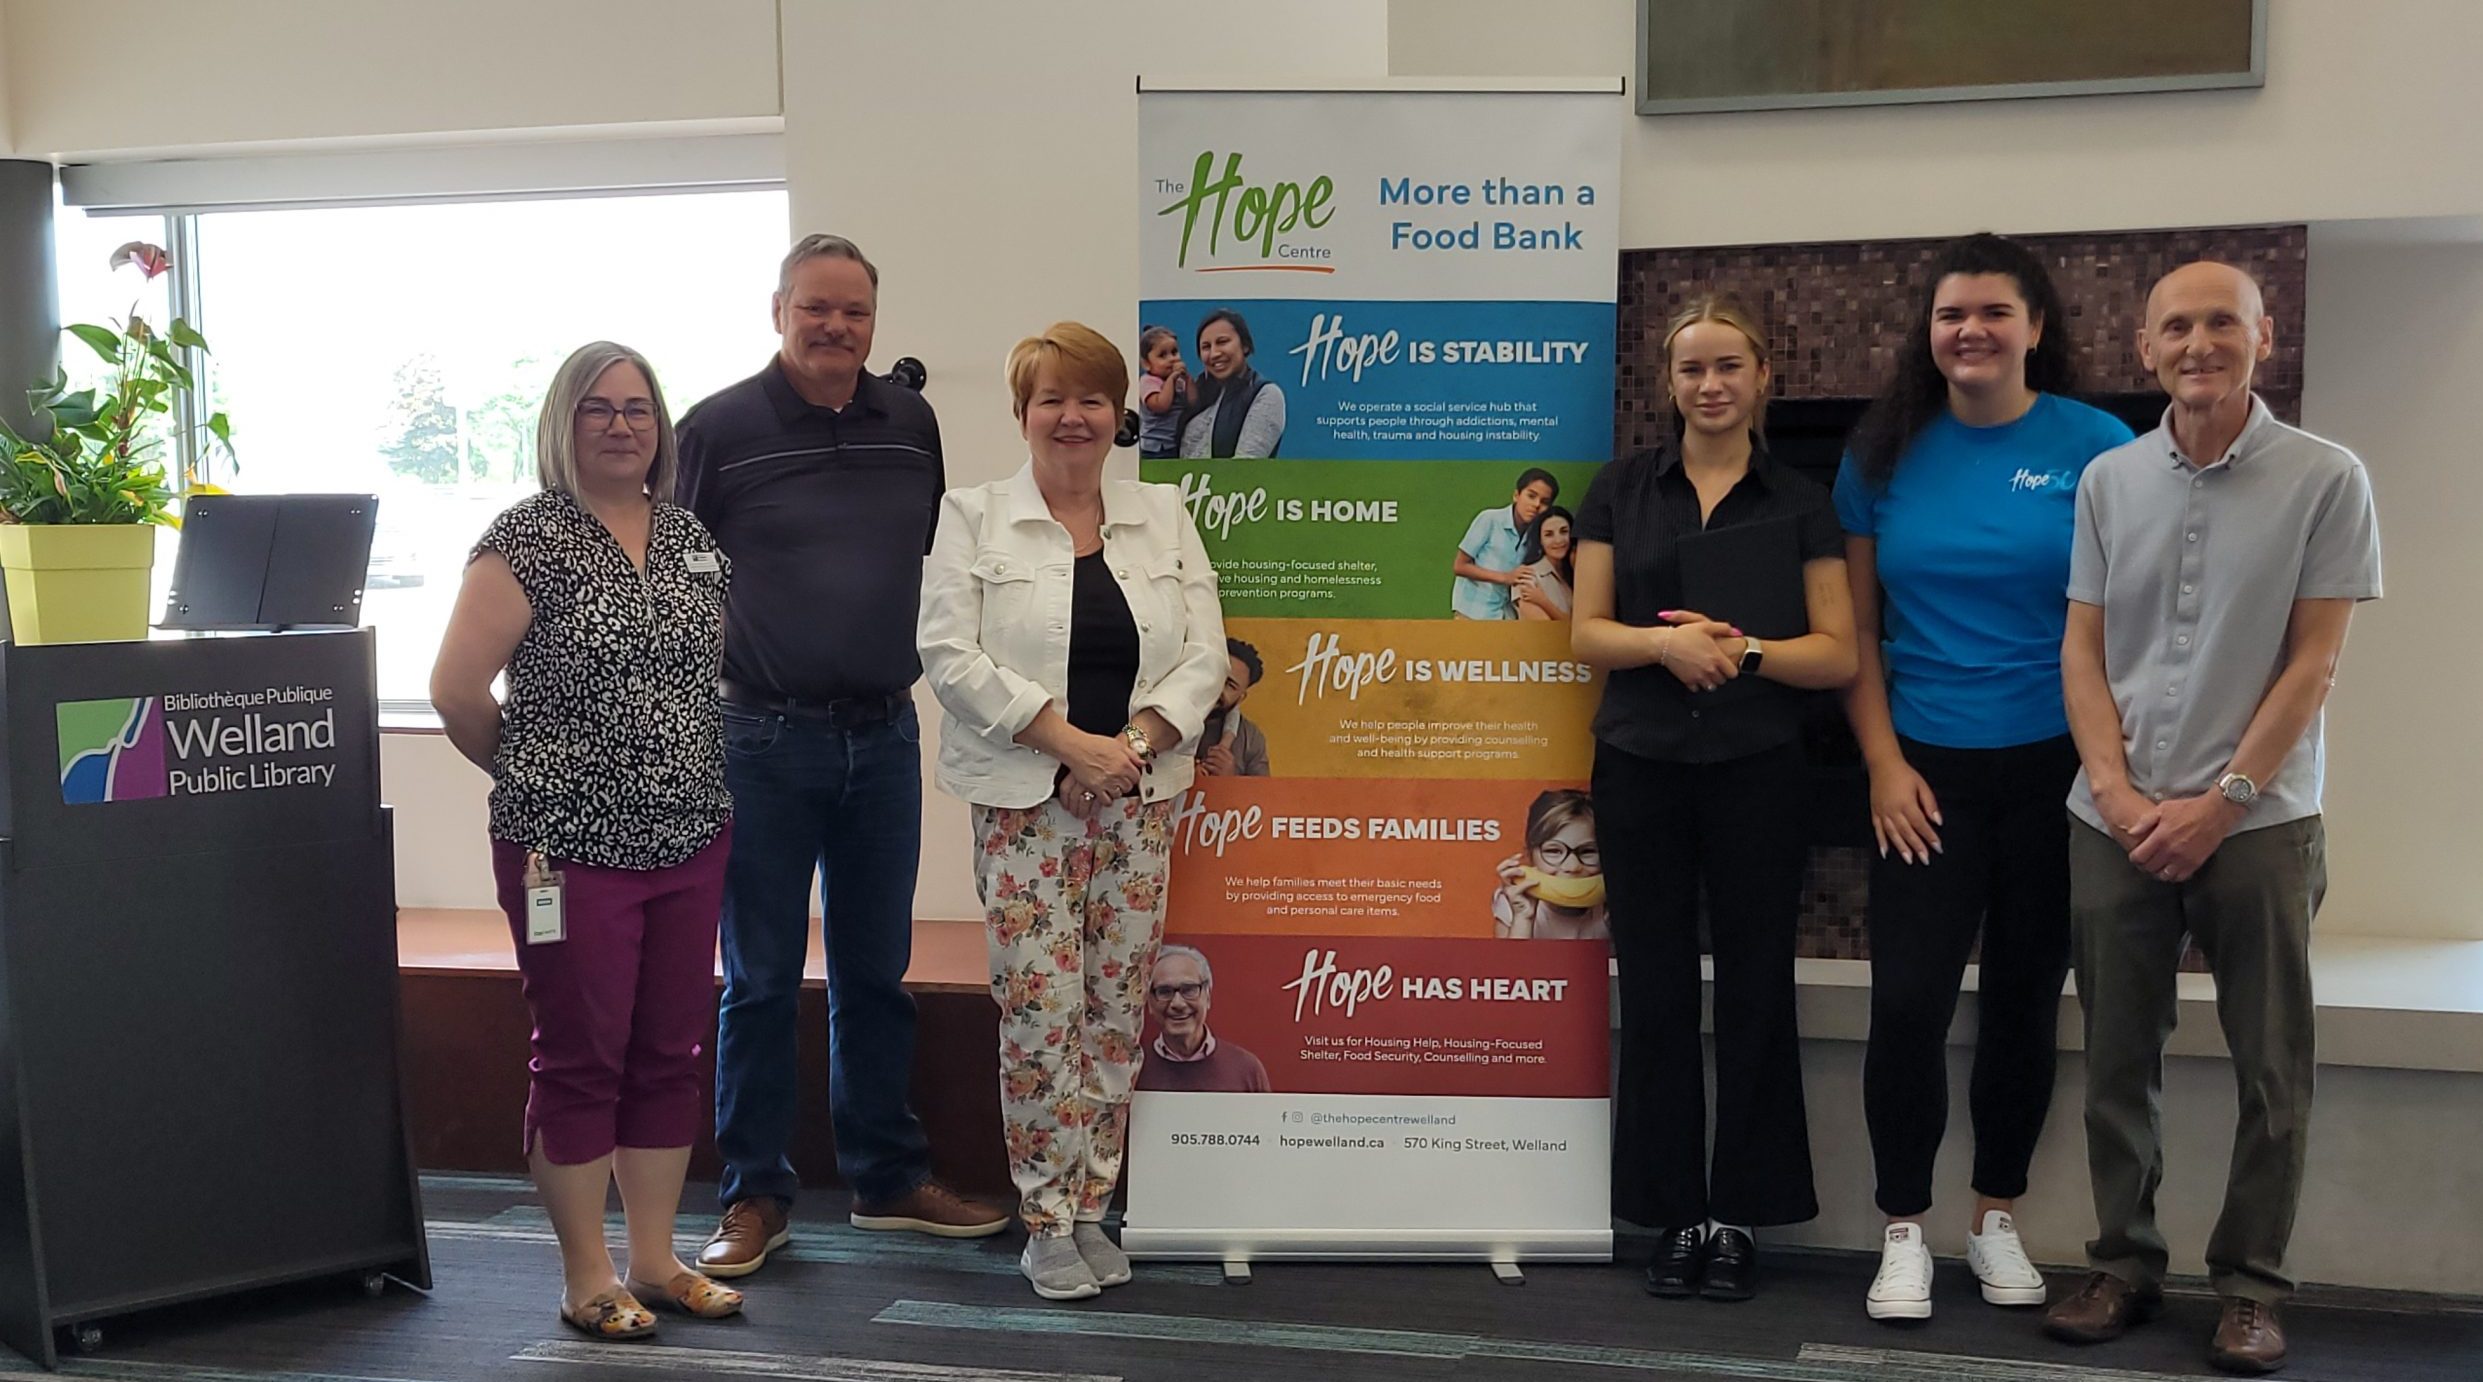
column 91, row 290
column 404, row 351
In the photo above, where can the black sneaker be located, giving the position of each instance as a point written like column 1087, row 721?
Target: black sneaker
column 1679, row 1255
column 1732, row 1260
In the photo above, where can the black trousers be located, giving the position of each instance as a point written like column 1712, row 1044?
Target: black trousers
column 1731, row 831
column 2003, row 871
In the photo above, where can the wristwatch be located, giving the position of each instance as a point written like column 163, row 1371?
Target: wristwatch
column 2237, row 789
column 1138, row 741
column 1750, row 657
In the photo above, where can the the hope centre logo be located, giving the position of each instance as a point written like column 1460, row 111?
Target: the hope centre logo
column 111, row 750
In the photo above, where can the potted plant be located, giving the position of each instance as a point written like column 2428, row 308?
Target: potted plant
column 79, row 505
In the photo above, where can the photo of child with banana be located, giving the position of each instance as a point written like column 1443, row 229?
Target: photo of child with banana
column 1554, row 888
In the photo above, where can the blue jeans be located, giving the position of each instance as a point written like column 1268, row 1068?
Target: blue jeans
column 845, row 800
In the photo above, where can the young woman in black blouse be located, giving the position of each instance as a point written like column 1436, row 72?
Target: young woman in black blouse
column 1699, row 790
column 604, row 603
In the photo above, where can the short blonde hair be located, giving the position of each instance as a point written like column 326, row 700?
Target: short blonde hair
column 1082, row 357
column 1729, row 313
column 556, row 431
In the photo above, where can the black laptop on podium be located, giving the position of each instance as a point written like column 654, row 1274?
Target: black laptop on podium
column 271, row 562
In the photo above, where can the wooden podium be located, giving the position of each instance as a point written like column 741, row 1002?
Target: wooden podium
column 198, row 984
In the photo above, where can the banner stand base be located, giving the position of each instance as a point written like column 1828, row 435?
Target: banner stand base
column 1238, row 1249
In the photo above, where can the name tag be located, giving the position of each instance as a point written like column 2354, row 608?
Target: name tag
column 702, row 563
column 546, row 919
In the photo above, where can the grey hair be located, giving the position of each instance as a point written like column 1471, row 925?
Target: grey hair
column 556, row 431
column 1206, row 971
column 811, row 247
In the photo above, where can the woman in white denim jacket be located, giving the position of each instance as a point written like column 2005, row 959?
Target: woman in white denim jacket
column 1071, row 632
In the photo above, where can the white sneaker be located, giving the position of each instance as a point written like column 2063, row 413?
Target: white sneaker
column 1902, row 1290
column 1999, row 1262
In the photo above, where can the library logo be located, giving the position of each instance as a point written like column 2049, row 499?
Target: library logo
column 112, row 750
column 197, row 743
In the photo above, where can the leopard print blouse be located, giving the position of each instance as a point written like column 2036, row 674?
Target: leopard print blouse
column 610, row 750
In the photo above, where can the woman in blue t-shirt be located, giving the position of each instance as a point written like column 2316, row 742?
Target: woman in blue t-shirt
column 1958, row 498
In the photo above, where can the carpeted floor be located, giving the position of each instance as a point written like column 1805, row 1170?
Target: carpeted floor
column 840, row 1304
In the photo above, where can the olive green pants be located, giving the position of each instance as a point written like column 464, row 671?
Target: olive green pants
column 2250, row 910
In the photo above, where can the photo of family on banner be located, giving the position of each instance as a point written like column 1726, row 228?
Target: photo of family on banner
column 1376, row 339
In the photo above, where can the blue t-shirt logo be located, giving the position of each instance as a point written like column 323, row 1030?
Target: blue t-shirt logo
column 2038, row 481
column 1978, row 587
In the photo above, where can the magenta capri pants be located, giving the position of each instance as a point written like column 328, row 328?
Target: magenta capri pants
column 621, row 1005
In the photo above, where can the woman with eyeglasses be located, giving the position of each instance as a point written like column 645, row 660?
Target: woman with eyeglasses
column 1555, row 889
column 1702, row 784
column 603, row 602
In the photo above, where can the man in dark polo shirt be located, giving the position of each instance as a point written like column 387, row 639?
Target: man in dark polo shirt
column 822, row 484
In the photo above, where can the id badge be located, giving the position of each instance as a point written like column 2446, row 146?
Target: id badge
column 700, row 563
column 546, row 921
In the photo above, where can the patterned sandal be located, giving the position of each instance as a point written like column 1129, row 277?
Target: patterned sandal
column 615, row 1317
column 692, row 1294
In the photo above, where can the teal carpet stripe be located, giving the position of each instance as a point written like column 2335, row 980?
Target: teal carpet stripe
column 836, row 1247
column 1902, row 1365
column 1400, row 1343
column 720, row 1362
column 132, row 1370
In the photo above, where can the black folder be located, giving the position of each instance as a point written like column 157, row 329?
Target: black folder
column 271, row 561
column 1748, row 575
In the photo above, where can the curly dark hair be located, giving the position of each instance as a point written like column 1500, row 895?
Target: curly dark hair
column 1917, row 391
column 1249, row 658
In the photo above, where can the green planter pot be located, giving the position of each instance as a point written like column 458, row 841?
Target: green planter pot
column 78, row 582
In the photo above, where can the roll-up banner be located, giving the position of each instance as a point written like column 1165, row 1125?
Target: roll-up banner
column 1383, row 380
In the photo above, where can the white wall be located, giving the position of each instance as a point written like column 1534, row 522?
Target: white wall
column 982, row 152
column 115, row 77
column 8, row 122
column 994, row 188
column 2394, row 350
column 997, row 192
column 2368, row 112
column 2368, row 117
column 443, row 855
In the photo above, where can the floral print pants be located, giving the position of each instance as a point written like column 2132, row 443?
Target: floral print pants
column 1072, row 913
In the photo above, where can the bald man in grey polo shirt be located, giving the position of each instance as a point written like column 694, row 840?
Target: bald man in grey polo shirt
column 2217, row 561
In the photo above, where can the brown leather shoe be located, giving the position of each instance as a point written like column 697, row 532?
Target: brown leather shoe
column 932, row 1208
column 752, row 1229
column 2248, row 1338
column 2101, row 1310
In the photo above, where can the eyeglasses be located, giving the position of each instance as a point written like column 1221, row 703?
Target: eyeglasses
column 597, row 414
column 1557, row 854
column 1187, row 993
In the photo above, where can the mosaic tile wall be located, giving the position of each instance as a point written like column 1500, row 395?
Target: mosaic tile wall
column 1835, row 313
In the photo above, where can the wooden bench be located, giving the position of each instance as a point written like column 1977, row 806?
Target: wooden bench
column 465, row 1034
column 948, row 955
